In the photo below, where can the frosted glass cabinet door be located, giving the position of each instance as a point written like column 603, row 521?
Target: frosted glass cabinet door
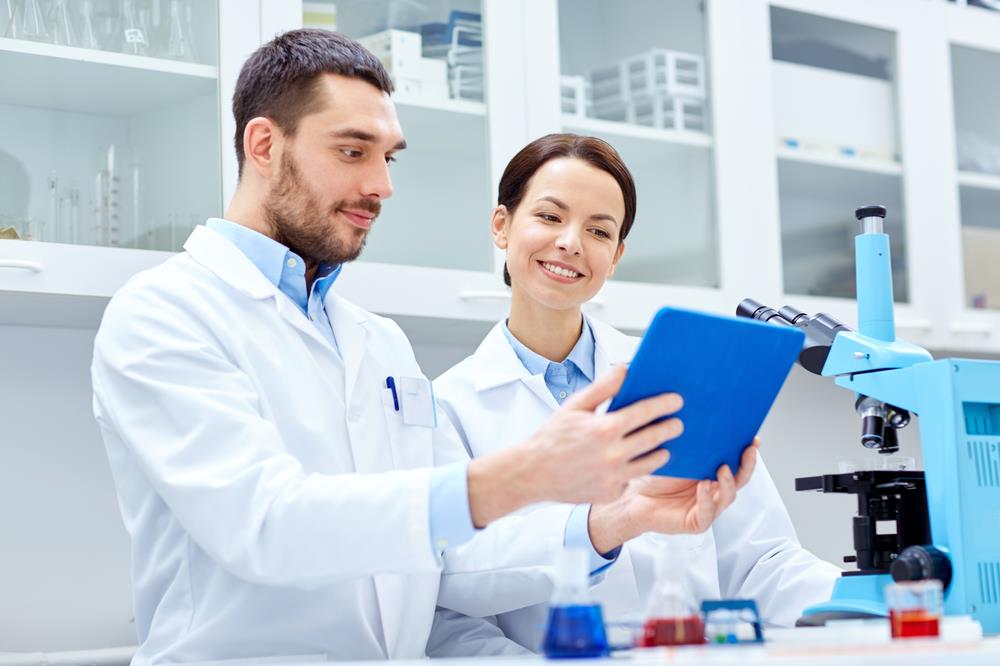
column 635, row 74
column 438, row 215
column 977, row 133
column 116, row 110
column 836, row 131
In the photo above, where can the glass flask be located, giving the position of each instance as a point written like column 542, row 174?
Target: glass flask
column 575, row 626
column 132, row 35
column 27, row 21
column 88, row 33
column 63, row 30
column 178, row 36
column 672, row 616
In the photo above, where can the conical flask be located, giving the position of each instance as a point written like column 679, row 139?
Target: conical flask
column 27, row 21
column 575, row 624
column 672, row 616
column 63, row 31
column 178, row 38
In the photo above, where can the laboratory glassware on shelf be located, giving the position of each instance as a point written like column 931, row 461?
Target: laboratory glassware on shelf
column 132, row 33
column 106, row 196
column 63, row 30
column 178, row 44
column 26, row 21
column 575, row 624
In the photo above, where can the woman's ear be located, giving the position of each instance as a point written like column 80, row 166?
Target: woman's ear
column 498, row 226
column 618, row 255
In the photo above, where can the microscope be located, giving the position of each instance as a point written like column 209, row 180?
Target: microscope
column 947, row 518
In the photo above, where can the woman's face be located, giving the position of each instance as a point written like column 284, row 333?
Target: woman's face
column 562, row 241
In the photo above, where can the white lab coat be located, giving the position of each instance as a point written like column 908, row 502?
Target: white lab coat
column 751, row 551
column 276, row 502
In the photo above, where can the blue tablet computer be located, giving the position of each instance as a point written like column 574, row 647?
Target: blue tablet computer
column 729, row 371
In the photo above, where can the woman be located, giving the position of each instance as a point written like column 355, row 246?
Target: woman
column 566, row 204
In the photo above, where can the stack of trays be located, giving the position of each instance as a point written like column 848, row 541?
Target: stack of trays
column 574, row 95
column 659, row 88
column 412, row 74
column 459, row 43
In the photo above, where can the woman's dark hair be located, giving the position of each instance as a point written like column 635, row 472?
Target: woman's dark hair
column 592, row 150
column 279, row 80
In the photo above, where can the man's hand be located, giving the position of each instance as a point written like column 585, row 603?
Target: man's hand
column 578, row 455
column 668, row 505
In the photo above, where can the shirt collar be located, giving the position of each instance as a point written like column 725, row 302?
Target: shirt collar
column 275, row 260
column 582, row 354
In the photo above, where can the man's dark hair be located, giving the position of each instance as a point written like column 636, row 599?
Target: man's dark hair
column 279, row 81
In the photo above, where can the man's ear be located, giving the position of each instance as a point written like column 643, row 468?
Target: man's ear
column 498, row 226
column 263, row 142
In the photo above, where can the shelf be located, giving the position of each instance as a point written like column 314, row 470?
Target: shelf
column 596, row 126
column 884, row 167
column 981, row 181
column 442, row 126
column 67, row 78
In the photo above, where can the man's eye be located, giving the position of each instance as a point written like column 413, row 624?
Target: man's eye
column 389, row 159
column 350, row 152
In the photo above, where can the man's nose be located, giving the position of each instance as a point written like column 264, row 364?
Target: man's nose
column 378, row 182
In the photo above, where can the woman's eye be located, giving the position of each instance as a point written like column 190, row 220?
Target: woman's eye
column 601, row 233
column 548, row 218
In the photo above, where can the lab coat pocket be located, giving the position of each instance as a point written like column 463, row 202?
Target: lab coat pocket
column 411, row 445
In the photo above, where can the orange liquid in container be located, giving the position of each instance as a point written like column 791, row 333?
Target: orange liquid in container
column 914, row 623
column 673, row 631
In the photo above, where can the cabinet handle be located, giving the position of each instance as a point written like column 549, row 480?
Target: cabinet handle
column 33, row 266
column 971, row 328
column 484, row 295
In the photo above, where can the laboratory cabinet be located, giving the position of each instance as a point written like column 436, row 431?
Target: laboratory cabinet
column 753, row 129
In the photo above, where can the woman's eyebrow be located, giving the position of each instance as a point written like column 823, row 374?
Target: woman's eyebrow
column 557, row 202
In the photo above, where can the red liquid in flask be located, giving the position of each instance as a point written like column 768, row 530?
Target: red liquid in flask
column 914, row 623
column 672, row 631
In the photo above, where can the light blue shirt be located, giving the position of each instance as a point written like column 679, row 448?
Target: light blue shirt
column 450, row 517
column 563, row 379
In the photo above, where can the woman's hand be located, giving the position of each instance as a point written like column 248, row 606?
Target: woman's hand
column 668, row 505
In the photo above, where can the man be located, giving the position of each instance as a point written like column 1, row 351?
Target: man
column 273, row 444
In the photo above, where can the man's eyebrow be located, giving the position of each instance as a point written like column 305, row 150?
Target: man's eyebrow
column 362, row 135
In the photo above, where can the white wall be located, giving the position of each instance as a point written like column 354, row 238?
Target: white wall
column 64, row 553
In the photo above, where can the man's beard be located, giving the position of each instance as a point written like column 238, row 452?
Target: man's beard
column 298, row 223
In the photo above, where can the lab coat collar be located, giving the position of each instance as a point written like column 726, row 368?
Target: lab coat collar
column 496, row 363
column 220, row 256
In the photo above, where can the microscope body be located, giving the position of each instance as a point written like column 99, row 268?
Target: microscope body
column 955, row 502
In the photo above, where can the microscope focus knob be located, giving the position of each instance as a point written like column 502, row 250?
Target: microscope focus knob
column 922, row 563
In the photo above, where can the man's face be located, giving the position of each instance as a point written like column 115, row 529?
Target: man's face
column 333, row 174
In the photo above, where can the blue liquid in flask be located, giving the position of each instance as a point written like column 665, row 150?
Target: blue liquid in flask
column 575, row 632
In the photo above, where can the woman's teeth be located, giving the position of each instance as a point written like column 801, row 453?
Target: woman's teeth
column 552, row 268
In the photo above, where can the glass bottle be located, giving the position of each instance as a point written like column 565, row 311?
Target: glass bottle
column 27, row 21
column 63, row 31
column 132, row 34
column 88, row 34
column 575, row 623
column 178, row 38
column 672, row 616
